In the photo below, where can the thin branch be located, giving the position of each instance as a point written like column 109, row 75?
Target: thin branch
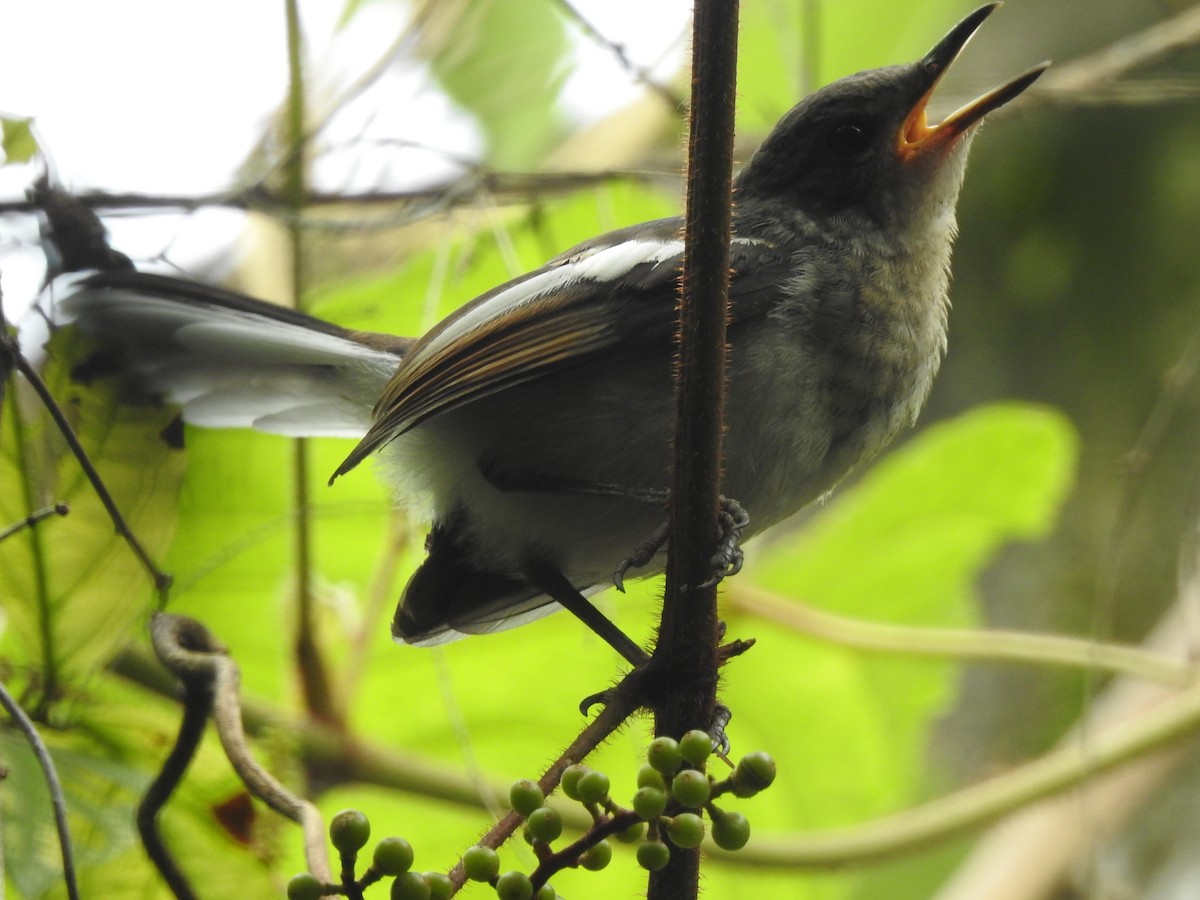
column 988, row 645
column 1032, row 853
column 58, row 509
column 197, row 705
column 191, row 652
column 57, row 800
column 340, row 757
column 620, row 703
column 162, row 581
column 1095, row 78
column 1156, row 728
column 315, row 681
column 460, row 191
column 640, row 73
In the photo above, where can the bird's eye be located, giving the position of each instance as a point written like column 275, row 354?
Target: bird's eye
column 849, row 138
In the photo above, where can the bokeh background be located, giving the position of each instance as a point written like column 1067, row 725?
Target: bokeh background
column 460, row 142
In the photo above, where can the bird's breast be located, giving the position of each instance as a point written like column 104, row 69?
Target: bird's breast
column 837, row 369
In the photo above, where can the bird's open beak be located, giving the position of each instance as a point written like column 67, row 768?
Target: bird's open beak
column 916, row 136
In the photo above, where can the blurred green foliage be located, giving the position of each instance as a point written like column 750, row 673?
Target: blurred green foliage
column 1075, row 289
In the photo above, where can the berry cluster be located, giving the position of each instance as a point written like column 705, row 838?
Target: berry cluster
column 673, row 794
column 349, row 832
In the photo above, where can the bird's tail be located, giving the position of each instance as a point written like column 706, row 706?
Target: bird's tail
column 228, row 360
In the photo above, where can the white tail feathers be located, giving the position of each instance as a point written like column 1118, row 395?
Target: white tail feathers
column 227, row 360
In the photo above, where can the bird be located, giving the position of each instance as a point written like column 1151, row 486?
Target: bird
column 532, row 428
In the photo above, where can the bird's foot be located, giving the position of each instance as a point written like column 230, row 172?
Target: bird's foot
column 732, row 519
column 642, row 554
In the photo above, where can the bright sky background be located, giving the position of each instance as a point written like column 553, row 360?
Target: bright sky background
column 162, row 96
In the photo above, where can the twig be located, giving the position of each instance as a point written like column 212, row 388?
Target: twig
column 1156, row 727
column 315, row 681
column 621, row 702
column 197, row 705
column 191, row 652
column 339, row 757
column 57, row 800
column 1091, row 78
column 1034, row 852
column 640, row 73
column 457, row 192
column 58, row 509
column 990, row 645
column 162, row 581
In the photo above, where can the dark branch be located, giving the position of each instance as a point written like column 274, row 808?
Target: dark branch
column 57, row 800
column 462, row 191
column 686, row 655
column 162, row 581
column 197, row 705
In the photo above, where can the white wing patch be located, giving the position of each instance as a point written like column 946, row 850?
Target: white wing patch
column 594, row 265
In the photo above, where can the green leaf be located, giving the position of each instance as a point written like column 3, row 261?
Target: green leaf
column 19, row 144
column 927, row 517
column 905, row 545
column 98, row 792
column 70, row 587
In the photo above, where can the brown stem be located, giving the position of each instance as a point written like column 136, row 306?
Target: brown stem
column 685, row 656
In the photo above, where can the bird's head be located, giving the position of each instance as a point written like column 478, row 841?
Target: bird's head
column 862, row 145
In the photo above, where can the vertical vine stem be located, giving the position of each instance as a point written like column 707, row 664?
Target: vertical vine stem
column 686, row 654
column 314, row 676
column 57, row 799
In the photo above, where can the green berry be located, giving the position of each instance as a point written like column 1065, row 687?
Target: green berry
column 304, row 887
column 653, row 855
column 570, row 780
column 393, row 856
column 349, row 831
column 593, row 787
column 696, row 747
column 412, row 886
column 649, row 803
column 753, row 773
column 691, row 788
column 514, row 886
column 525, row 796
column 440, row 885
column 686, row 830
column 481, row 863
column 597, row 856
column 632, row 834
column 663, row 753
column 648, row 776
column 730, row 830
column 546, row 892
column 545, row 825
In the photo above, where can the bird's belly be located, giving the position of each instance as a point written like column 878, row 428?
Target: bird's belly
column 519, row 469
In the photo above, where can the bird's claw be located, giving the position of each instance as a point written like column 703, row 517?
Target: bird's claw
column 716, row 731
column 732, row 519
column 728, row 559
column 641, row 555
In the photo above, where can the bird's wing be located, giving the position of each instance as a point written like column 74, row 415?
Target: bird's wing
column 228, row 360
column 610, row 294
